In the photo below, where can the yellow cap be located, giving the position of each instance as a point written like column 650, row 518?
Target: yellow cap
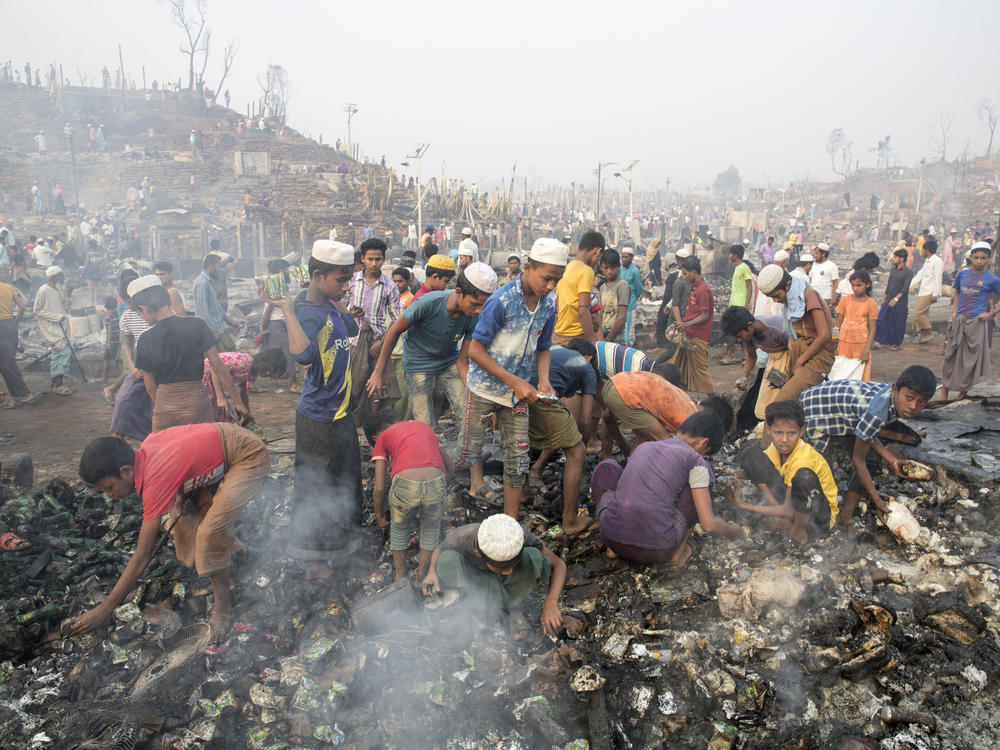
column 441, row 262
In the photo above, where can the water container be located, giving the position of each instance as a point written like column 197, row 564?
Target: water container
column 79, row 325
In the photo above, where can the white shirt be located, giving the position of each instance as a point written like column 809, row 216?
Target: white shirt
column 822, row 277
column 928, row 278
column 844, row 287
column 43, row 256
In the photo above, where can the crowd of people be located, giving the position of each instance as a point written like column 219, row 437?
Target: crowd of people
column 535, row 363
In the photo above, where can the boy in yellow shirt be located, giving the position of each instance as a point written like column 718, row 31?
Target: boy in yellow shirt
column 793, row 477
column 573, row 291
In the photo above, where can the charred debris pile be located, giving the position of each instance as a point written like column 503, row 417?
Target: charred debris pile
column 871, row 642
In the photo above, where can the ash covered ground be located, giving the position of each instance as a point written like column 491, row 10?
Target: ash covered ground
column 753, row 644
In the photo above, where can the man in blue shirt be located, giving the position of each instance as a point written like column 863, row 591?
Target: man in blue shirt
column 326, row 504
column 967, row 344
column 207, row 307
column 509, row 351
column 633, row 277
column 438, row 328
column 554, row 425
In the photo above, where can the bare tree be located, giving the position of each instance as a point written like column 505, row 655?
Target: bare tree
column 191, row 20
column 228, row 55
column 883, row 152
column 276, row 91
column 988, row 116
column 942, row 136
column 839, row 149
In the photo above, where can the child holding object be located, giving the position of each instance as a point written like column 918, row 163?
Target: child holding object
column 857, row 315
column 496, row 564
column 418, row 486
column 793, row 477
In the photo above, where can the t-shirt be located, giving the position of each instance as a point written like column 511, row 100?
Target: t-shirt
column 463, row 540
column 649, row 392
column 614, row 294
column 614, row 358
column 326, row 392
column 974, row 291
column 812, row 302
column 570, row 373
column 700, row 300
column 653, row 496
column 771, row 340
column 432, row 341
column 408, row 445
column 7, row 293
column 821, row 278
column 859, row 318
column 578, row 278
column 173, row 350
column 741, row 275
column 804, row 456
column 183, row 458
column 132, row 324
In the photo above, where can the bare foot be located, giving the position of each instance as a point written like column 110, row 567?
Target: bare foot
column 579, row 524
column 317, row 570
column 610, row 554
column 682, row 555
column 220, row 624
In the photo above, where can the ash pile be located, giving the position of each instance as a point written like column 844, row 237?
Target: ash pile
column 871, row 642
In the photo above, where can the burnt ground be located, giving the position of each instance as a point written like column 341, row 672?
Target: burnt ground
column 870, row 624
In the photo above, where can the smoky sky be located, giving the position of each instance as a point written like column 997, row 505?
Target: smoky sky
column 556, row 87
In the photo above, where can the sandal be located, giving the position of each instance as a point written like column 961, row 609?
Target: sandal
column 488, row 495
column 728, row 361
column 25, row 400
column 11, row 542
column 61, row 390
column 6, row 402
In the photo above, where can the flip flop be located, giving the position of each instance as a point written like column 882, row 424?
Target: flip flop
column 25, row 400
column 592, row 526
column 488, row 495
column 7, row 402
column 11, row 542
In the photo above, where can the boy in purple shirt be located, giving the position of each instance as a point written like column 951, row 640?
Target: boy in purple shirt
column 647, row 510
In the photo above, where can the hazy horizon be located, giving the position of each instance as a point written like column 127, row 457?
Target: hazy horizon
column 685, row 90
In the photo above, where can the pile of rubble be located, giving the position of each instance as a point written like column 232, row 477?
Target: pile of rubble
column 857, row 643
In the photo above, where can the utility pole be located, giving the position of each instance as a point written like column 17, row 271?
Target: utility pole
column 920, row 193
column 600, row 168
column 68, row 132
column 628, row 169
column 418, row 152
column 351, row 110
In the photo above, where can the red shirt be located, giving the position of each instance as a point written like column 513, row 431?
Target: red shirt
column 183, row 459
column 419, row 293
column 408, row 445
column 699, row 301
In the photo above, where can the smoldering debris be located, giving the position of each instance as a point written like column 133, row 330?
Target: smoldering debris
column 870, row 642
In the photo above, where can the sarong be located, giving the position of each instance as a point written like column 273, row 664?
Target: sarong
column 181, row 403
column 551, row 426
column 891, row 324
column 693, row 364
column 966, row 353
column 206, row 537
column 133, row 416
column 812, row 373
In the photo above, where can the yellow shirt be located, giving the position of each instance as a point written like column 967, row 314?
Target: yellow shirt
column 7, row 293
column 578, row 278
column 804, row 456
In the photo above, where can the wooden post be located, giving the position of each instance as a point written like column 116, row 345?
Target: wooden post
column 284, row 235
column 143, row 77
column 302, row 237
column 239, row 240
column 121, row 62
column 263, row 239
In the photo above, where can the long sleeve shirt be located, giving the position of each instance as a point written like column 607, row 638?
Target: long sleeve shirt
column 928, row 279
column 49, row 312
column 206, row 304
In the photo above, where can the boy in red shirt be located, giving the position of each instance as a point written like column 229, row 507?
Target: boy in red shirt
column 169, row 472
column 418, row 484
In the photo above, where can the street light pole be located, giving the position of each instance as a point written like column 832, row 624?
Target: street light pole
column 419, row 150
column 600, row 168
column 628, row 169
column 351, row 110
column 68, row 132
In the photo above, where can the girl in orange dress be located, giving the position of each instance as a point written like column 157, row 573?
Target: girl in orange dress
column 857, row 314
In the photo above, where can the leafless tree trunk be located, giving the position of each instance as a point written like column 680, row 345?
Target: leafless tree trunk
column 988, row 116
column 191, row 21
column 228, row 55
column 943, row 136
column 839, row 149
column 276, row 90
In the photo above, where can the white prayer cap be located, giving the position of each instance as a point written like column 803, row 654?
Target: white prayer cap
column 500, row 538
column 143, row 282
column 781, row 256
column 467, row 247
column 953, row 231
column 981, row 246
column 627, row 251
column 482, row 277
column 467, row 230
column 823, row 246
column 549, row 250
column 223, row 257
column 683, row 253
column 56, row 270
column 333, row 252
column 293, row 257
column 769, row 278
